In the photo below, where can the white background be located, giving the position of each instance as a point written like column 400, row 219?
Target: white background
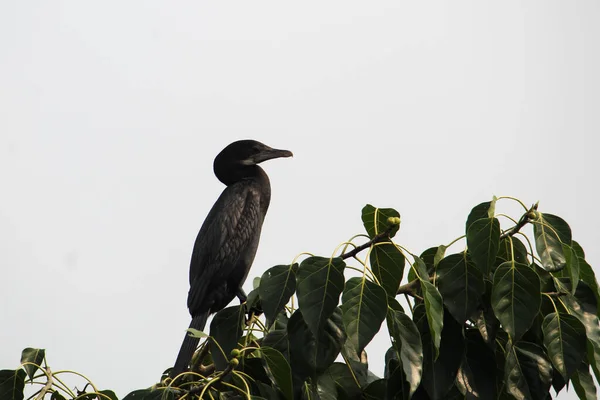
column 111, row 114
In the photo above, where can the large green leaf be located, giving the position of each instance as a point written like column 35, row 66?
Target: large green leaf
column 435, row 312
column 461, row 285
column 527, row 371
column 560, row 226
column 477, row 369
column 482, row 210
column 257, row 368
column 148, row 394
column 138, row 394
column 375, row 220
column 278, row 339
column 397, row 387
column 587, row 275
column 376, row 390
column 586, row 313
column 548, row 243
column 280, row 370
column 565, row 341
column 226, row 330
column 439, row 372
column 512, row 249
column 311, row 355
column 583, row 383
column 32, row 358
column 349, row 379
column 483, row 240
column 418, row 270
column 320, row 282
column 387, row 262
column 516, row 297
column 364, row 306
column 12, row 383
column 277, row 285
column 407, row 342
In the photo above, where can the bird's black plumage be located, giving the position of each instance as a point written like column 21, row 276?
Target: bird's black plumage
column 228, row 239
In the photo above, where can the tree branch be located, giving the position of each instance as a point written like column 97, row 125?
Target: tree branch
column 409, row 288
column 525, row 219
column 385, row 235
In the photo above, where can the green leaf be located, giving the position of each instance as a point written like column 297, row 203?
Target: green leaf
column 396, row 383
column 571, row 270
column 583, row 383
column 407, row 342
column 419, row 269
column 483, row 240
column 320, row 282
column 387, row 262
column 548, row 243
column 280, row 370
column 137, row 394
column 364, row 306
column 226, row 329
column 482, row 210
column 108, row 393
column 578, row 249
column 516, row 297
column 477, row 369
column 587, row 275
column 461, row 285
column 153, row 394
column 376, row 390
column 347, row 378
column 278, row 339
column 57, row 396
column 32, row 358
column 439, row 372
column 586, row 313
column 565, row 340
column 560, row 226
column 12, row 384
column 311, row 355
column 277, row 285
column 512, row 249
column 486, row 321
column 256, row 367
column 375, row 220
column 196, row 333
column 527, row 371
column 435, row 311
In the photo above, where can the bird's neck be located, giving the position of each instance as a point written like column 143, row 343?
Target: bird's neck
column 232, row 173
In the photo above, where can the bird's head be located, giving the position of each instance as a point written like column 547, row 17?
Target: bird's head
column 241, row 155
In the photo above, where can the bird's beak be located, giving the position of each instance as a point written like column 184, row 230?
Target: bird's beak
column 269, row 153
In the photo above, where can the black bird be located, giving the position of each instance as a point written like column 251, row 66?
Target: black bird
column 228, row 239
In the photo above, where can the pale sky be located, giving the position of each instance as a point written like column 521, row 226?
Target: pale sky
column 111, row 114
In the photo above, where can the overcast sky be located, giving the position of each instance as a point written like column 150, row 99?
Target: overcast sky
column 111, row 114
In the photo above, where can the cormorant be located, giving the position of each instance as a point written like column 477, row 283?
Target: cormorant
column 228, row 239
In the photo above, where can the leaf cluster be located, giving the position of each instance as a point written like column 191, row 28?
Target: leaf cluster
column 504, row 317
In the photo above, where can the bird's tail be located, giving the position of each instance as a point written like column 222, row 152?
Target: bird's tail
column 188, row 347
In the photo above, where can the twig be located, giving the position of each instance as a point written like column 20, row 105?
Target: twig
column 201, row 369
column 555, row 294
column 409, row 288
column 385, row 235
column 525, row 219
column 47, row 386
column 226, row 371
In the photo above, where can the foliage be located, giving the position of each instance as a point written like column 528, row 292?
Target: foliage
column 500, row 318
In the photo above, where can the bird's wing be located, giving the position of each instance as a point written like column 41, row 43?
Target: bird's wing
column 228, row 229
